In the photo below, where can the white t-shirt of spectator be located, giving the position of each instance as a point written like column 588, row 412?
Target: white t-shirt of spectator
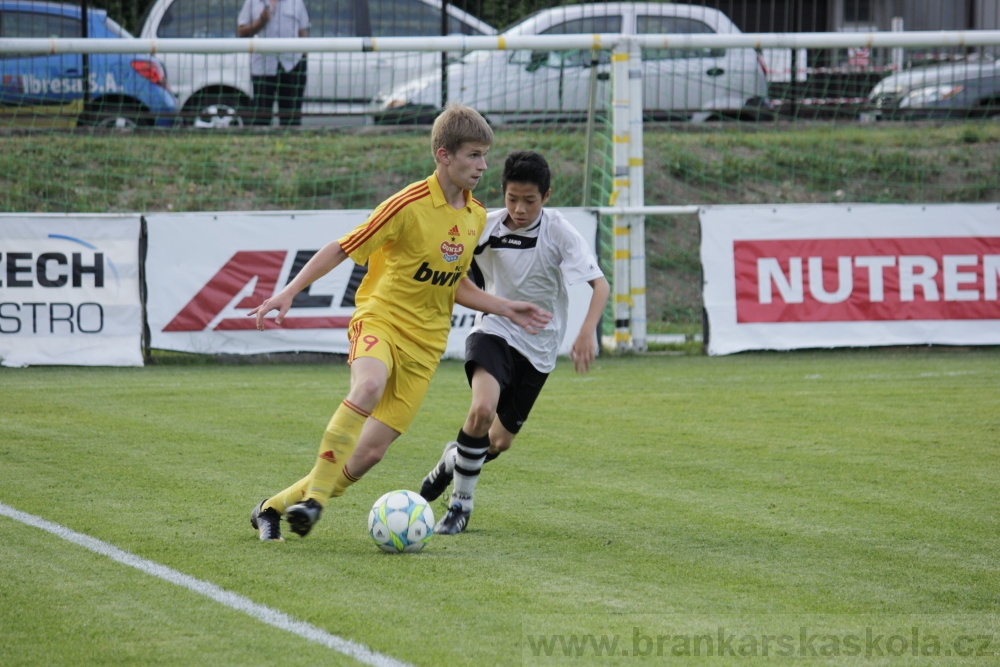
column 535, row 264
column 289, row 18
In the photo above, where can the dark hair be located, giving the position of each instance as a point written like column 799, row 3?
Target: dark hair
column 526, row 167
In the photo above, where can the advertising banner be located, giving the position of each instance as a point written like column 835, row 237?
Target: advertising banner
column 843, row 275
column 69, row 290
column 206, row 271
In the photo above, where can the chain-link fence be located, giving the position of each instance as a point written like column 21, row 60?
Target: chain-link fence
column 723, row 125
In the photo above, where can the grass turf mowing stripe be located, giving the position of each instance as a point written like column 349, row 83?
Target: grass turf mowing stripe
column 239, row 603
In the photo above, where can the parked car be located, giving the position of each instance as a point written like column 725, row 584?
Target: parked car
column 214, row 90
column 952, row 90
column 528, row 85
column 114, row 90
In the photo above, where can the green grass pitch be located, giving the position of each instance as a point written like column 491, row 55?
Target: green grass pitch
column 835, row 507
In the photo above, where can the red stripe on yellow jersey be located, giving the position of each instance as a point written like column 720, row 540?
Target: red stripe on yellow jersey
column 383, row 214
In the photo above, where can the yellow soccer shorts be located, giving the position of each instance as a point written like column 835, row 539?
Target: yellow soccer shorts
column 410, row 370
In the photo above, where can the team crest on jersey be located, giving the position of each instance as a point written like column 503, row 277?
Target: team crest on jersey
column 452, row 251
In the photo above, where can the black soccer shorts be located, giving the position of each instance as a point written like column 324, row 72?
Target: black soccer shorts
column 520, row 382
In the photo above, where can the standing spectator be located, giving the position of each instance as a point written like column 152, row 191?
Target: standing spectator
column 276, row 76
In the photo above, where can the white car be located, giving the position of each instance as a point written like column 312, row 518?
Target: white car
column 516, row 86
column 214, row 90
column 968, row 89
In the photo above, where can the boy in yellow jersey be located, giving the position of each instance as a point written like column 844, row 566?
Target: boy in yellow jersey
column 418, row 245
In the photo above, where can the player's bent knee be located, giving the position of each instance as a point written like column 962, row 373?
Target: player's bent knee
column 481, row 416
column 367, row 391
column 500, row 445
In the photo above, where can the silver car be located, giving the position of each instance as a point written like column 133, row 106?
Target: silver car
column 952, row 90
column 214, row 89
column 514, row 86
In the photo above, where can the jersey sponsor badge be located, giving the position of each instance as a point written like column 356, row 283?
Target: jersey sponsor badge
column 452, row 251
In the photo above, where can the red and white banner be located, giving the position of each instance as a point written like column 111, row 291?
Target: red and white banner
column 846, row 275
column 206, row 271
column 69, row 290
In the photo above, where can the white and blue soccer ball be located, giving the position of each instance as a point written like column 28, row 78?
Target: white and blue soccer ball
column 401, row 522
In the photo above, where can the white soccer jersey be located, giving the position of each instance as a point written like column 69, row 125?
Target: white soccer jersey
column 535, row 264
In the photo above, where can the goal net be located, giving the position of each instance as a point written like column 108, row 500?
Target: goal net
column 169, row 120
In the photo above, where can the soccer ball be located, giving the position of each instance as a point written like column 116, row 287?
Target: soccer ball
column 401, row 521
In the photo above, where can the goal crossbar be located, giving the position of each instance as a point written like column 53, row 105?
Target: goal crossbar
column 817, row 40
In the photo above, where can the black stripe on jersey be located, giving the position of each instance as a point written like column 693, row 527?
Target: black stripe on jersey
column 513, row 241
column 476, row 274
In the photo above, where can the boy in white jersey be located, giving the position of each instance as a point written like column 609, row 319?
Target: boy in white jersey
column 526, row 253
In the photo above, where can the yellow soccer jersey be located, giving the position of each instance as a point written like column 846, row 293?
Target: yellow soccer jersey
column 417, row 248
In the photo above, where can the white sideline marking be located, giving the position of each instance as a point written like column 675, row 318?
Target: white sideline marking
column 272, row 617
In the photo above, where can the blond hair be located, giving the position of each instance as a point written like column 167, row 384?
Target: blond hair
column 459, row 124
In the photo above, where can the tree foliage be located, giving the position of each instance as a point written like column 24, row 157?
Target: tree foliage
column 128, row 13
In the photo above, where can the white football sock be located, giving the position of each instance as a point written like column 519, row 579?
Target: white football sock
column 469, row 457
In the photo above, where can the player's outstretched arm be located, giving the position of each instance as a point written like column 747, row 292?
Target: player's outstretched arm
column 527, row 315
column 326, row 260
column 585, row 346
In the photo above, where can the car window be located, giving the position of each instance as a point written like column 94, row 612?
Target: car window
column 579, row 58
column 674, row 25
column 200, row 19
column 400, row 18
column 116, row 30
column 28, row 24
column 586, row 25
column 332, row 18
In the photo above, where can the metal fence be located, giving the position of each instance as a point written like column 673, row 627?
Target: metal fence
column 815, row 139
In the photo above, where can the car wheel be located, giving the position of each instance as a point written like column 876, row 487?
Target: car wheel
column 992, row 109
column 214, row 112
column 757, row 109
column 113, row 116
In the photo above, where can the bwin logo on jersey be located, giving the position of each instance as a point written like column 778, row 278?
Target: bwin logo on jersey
column 443, row 278
column 452, row 251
